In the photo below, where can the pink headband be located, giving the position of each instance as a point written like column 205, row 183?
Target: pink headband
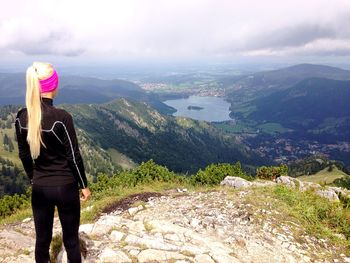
column 49, row 84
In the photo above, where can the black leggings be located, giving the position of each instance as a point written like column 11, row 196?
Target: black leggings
column 44, row 200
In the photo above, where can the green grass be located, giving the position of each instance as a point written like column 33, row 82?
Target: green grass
column 236, row 128
column 17, row 216
column 121, row 159
column 56, row 246
column 272, row 128
column 318, row 216
column 248, row 126
column 245, row 109
column 323, row 177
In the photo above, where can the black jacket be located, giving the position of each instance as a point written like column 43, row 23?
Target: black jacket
column 60, row 161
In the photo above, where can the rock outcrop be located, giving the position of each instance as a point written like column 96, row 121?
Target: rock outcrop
column 236, row 182
column 331, row 193
column 181, row 226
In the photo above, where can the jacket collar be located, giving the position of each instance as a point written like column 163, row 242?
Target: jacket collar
column 47, row 101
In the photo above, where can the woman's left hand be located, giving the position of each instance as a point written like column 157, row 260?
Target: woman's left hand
column 85, row 194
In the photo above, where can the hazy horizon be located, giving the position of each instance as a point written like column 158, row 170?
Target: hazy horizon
column 158, row 32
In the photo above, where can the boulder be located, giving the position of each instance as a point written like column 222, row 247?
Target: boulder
column 110, row 255
column 86, row 228
column 289, row 182
column 235, row 182
column 329, row 194
column 116, row 236
column 105, row 224
column 339, row 190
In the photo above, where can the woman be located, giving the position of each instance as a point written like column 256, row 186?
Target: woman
column 46, row 135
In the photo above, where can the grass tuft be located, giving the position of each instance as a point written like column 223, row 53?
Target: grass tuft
column 56, row 247
column 321, row 216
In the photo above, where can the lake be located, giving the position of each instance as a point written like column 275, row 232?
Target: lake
column 214, row 108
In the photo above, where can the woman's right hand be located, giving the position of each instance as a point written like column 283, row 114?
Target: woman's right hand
column 85, row 194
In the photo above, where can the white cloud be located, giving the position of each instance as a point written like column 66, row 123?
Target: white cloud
column 114, row 29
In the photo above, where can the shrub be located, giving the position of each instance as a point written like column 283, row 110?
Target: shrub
column 146, row 172
column 213, row 174
column 150, row 171
column 344, row 200
column 56, row 247
column 11, row 203
column 343, row 182
column 271, row 172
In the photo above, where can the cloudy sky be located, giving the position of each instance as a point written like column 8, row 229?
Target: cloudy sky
column 173, row 29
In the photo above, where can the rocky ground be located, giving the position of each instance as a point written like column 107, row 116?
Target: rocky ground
column 180, row 226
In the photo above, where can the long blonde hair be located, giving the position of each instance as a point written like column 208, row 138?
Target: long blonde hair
column 36, row 72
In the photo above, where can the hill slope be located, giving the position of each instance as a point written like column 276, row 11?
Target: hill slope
column 123, row 132
column 313, row 104
column 142, row 133
column 324, row 176
column 12, row 177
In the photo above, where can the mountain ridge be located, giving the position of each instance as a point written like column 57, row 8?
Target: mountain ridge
column 142, row 133
column 77, row 89
column 308, row 103
column 260, row 84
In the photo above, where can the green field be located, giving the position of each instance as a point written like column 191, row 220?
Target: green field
column 237, row 127
column 272, row 128
column 245, row 110
column 121, row 159
column 323, row 176
column 251, row 127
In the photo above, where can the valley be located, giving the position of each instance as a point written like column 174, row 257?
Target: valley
column 267, row 117
column 283, row 114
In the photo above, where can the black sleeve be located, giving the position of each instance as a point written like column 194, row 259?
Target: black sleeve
column 70, row 143
column 24, row 150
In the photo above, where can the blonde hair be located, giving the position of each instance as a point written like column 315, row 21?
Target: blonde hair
column 36, row 72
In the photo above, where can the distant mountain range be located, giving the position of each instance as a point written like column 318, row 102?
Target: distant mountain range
column 312, row 104
column 287, row 77
column 304, row 97
column 247, row 87
column 305, row 108
column 75, row 89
